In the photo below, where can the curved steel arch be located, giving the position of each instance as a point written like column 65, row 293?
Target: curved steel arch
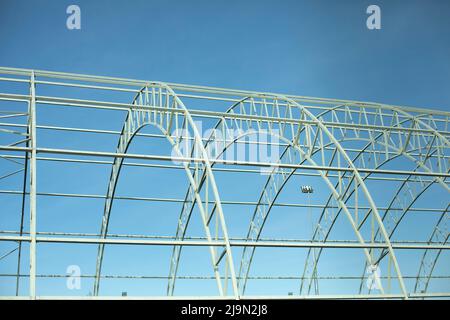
column 420, row 136
column 437, row 234
column 137, row 118
column 430, row 257
column 269, row 204
column 331, row 223
column 415, row 195
column 339, row 148
column 185, row 216
column 283, row 184
column 359, row 178
column 189, row 205
column 401, row 151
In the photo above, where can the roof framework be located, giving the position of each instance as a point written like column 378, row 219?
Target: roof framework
column 353, row 148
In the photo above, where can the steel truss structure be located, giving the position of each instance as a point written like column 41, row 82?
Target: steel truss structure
column 375, row 165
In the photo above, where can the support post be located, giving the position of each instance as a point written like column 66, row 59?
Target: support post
column 33, row 188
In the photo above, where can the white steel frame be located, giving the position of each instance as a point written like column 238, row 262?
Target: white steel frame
column 313, row 132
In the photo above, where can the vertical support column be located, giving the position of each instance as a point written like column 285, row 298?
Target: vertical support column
column 33, row 188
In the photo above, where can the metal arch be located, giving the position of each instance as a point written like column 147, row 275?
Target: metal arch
column 361, row 183
column 326, row 231
column 323, row 175
column 430, row 257
column 248, row 253
column 188, row 205
column 414, row 194
column 405, row 210
column 397, row 271
column 328, row 228
column 126, row 135
column 421, row 164
column 440, row 181
column 372, row 141
column 438, row 121
column 279, row 189
column 129, row 130
column 181, row 230
column 185, row 215
column 133, row 123
column 210, row 139
column 310, row 249
column 437, row 234
column 358, row 177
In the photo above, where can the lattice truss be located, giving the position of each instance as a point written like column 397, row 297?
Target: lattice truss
column 203, row 222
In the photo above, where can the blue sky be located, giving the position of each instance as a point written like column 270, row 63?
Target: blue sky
column 316, row 48
column 311, row 48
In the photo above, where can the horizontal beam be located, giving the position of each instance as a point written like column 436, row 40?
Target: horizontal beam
column 109, row 105
column 224, row 202
column 144, row 277
column 349, row 107
column 214, row 168
column 141, row 236
column 221, row 161
column 192, row 243
column 224, row 115
column 225, row 141
column 228, row 298
column 205, row 89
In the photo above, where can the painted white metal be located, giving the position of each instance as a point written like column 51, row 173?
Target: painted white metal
column 314, row 133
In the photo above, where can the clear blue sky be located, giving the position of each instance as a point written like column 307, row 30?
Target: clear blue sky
column 312, row 48
column 317, row 48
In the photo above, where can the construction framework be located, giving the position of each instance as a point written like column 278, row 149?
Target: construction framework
column 355, row 149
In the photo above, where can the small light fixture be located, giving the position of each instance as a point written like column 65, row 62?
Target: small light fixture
column 307, row 189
